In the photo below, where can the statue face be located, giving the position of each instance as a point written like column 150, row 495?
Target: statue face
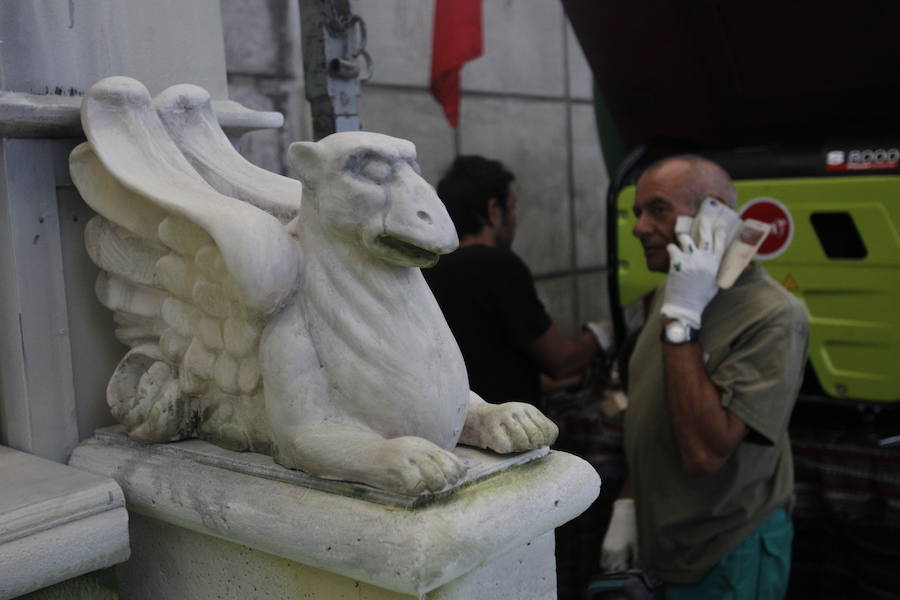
column 414, row 228
column 368, row 188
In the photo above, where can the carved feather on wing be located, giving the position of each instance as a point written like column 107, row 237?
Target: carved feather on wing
column 190, row 274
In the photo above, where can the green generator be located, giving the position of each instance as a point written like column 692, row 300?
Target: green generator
column 835, row 244
column 799, row 103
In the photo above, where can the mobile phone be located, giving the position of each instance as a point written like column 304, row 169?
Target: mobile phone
column 751, row 234
column 720, row 216
column 742, row 237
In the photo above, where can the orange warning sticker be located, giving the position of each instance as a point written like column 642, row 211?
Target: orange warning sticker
column 790, row 284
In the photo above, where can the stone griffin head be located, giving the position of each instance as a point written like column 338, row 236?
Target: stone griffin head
column 368, row 186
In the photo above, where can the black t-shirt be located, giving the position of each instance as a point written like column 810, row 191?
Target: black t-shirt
column 488, row 297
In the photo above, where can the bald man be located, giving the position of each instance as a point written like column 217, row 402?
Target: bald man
column 715, row 374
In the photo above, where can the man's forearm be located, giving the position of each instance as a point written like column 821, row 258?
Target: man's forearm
column 583, row 349
column 561, row 356
column 706, row 433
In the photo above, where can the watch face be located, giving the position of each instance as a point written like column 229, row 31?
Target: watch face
column 676, row 332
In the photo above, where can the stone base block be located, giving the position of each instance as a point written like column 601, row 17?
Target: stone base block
column 98, row 585
column 206, row 523
column 186, row 564
column 56, row 523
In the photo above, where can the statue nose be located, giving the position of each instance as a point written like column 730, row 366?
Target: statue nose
column 424, row 216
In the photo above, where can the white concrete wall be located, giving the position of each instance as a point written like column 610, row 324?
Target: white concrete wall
column 527, row 102
column 55, row 47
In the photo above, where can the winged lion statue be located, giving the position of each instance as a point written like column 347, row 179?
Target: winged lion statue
column 262, row 323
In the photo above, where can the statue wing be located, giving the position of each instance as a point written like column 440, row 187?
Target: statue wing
column 186, row 112
column 191, row 274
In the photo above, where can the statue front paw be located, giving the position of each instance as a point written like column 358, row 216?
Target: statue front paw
column 412, row 465
column 509, row 427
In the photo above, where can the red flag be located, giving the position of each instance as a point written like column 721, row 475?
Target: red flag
column 457, row 40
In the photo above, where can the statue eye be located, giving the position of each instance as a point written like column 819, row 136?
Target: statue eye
column 377, row 170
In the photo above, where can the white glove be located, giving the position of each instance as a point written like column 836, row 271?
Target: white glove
column 692, row 274
column 620, row 550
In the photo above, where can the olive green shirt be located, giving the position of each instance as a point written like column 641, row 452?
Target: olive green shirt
column 754, row 339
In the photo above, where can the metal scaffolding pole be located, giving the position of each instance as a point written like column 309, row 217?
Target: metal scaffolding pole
column 334, row 41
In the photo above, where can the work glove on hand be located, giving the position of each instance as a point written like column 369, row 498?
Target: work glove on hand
column 692, row 274
column 620, row 550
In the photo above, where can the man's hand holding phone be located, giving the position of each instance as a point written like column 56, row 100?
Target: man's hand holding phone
column 727, row 245
column 692, row 271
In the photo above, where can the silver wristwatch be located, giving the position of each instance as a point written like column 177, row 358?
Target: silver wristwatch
column 678, row 332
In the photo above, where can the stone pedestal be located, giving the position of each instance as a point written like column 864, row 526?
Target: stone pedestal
column 56, row 523
column 209, row 523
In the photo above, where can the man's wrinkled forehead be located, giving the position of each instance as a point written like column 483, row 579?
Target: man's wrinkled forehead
column 671, row 182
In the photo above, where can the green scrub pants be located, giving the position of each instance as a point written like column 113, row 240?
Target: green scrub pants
column 756, row 569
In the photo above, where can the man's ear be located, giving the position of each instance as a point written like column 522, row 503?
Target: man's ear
column 494, row 213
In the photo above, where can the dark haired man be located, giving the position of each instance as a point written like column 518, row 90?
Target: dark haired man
column 488, row 296
column 714, row 377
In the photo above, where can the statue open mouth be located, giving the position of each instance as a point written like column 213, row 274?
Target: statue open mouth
column 408, row 250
